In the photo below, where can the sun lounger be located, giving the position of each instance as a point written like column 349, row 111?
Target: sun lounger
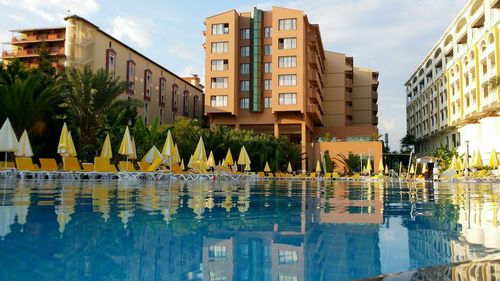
column 26, row 167
column 88, row 167
column 71, row 164
column 7, row 165
column 126, row 166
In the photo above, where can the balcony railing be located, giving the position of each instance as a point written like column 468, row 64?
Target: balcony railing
column 31, row 52
column 39, row 37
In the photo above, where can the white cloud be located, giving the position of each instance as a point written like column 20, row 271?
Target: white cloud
column 138, row 32
column 54, row 10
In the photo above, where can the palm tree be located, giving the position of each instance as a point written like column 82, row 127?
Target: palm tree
column 28, row 104
column 90, row 98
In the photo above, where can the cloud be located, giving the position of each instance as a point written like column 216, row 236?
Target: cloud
column 53, row 10
column 138, row 32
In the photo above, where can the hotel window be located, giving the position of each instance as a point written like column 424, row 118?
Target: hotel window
column 286, row 277
column 268, row 102
column 245, row 68
column 245, row 51
column 245, row 33
column 161, row 115
column 220, row 47
column 185, row 102
column 217, row 252
column 287, row 24
column 148, row 81
column 285, row 62
column 163, row 90
column 220, row 28
column 245, row 85
column 268, row 85
column 268, row 67
column 219, row 83
column 195, row 106
column 287, row 80
column 287, row 257
column 146, row 112
column 268, row 50
column 287, row 43
column 219, row 65
column 218, row 101
column 131, row 76
column 288, row 98
column 268, row 32
column 244, row 103
column 111, row 61
column 175, row 93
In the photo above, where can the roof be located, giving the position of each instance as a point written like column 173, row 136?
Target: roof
column 21, row 30
column 130, row 48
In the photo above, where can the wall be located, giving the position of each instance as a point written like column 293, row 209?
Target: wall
column 335, row 148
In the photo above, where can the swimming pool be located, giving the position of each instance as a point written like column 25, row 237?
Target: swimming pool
column 249, row 230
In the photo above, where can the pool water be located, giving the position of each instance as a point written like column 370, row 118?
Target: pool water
column 236, row 231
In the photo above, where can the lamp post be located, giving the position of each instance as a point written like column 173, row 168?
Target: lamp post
column 467, row 159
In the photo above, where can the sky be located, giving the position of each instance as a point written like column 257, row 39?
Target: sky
column 391, row 36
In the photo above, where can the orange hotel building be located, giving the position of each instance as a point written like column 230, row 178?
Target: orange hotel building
column 267, row 71
column 79, row 43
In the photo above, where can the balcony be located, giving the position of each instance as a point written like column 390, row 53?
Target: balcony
column 26, row 53
column 38, row 38
column 314, row 113
column 348, row 82
column 374, row 107
column 374, row 120
column 375, row 95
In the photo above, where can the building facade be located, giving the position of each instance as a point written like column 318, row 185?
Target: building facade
column 164, row 95
column 452, row 97
column 267, row 71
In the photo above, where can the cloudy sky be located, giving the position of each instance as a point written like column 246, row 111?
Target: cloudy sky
column 391, row 36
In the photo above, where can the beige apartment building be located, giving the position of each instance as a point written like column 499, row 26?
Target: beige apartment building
column 267, row 71
column 452, row 97
column 163, row 94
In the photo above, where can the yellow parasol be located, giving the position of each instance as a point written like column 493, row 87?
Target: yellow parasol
column 386, row 169
column 266, row 168
column 243, row 158
column 412, row 169
column 493, row 159
column 318, row 167
column 247, row 167
column 177, row 156
column 134, row 150
column 190, row 163
column 168, row 148
column 381, row 166
column 152, row 155
column 424, row 168
column 454, row 163
column 182, row 164
column 369, row 165
column 472, row 164
column 106, row 151
column 200, row 153
column 460, row 163
column 289, row 168
column 71, row 146
column 229, row 157
column 63, row 146
column 126, row 144
column 24, row 148
column 478, row 160
column 211, row 160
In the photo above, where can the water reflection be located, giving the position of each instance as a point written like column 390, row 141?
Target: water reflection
column 81, row 230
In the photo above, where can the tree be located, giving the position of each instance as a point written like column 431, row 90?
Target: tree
column 350, row 162
column 330, row 165
column 90, row 97
column 408, row 143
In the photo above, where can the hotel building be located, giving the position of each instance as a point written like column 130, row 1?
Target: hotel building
column 267, row 71
column 164, row 94
column 452, row 97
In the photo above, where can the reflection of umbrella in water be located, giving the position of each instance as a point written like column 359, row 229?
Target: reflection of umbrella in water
column 228, row 203
column 66, row 208
column 100, row 198
column 124, row 205
column 21, row 202
column 7, row 215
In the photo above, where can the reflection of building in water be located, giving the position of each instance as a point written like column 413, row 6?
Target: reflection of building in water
column 469, row 271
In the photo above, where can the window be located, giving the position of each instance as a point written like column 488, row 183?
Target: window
column 286, row 277
column 217, row 252
column 163, row 90
column 148, row 77
column 161, row 115
column 131, row 76
column 220, row 47
column 245, row 51
column 268, row 85
column 245, row 85
column 245, row 68
column 111, row 61
column 245, row 33
column 195, row 106
column 268, row 50
column 268, row 32
column 268, row 102
column 175, row 93
column 284, row 62
column 218, row 101
column 146, row 112
column 288, row 98
column 185, row 102
column 287, row 257
column 268, row 67
column 220, row 28
column 287, row 43
column 244, row 103
column 217, row 276
column 287, row 80
column 287, row 24
column 219, row 82
column 219, row 65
